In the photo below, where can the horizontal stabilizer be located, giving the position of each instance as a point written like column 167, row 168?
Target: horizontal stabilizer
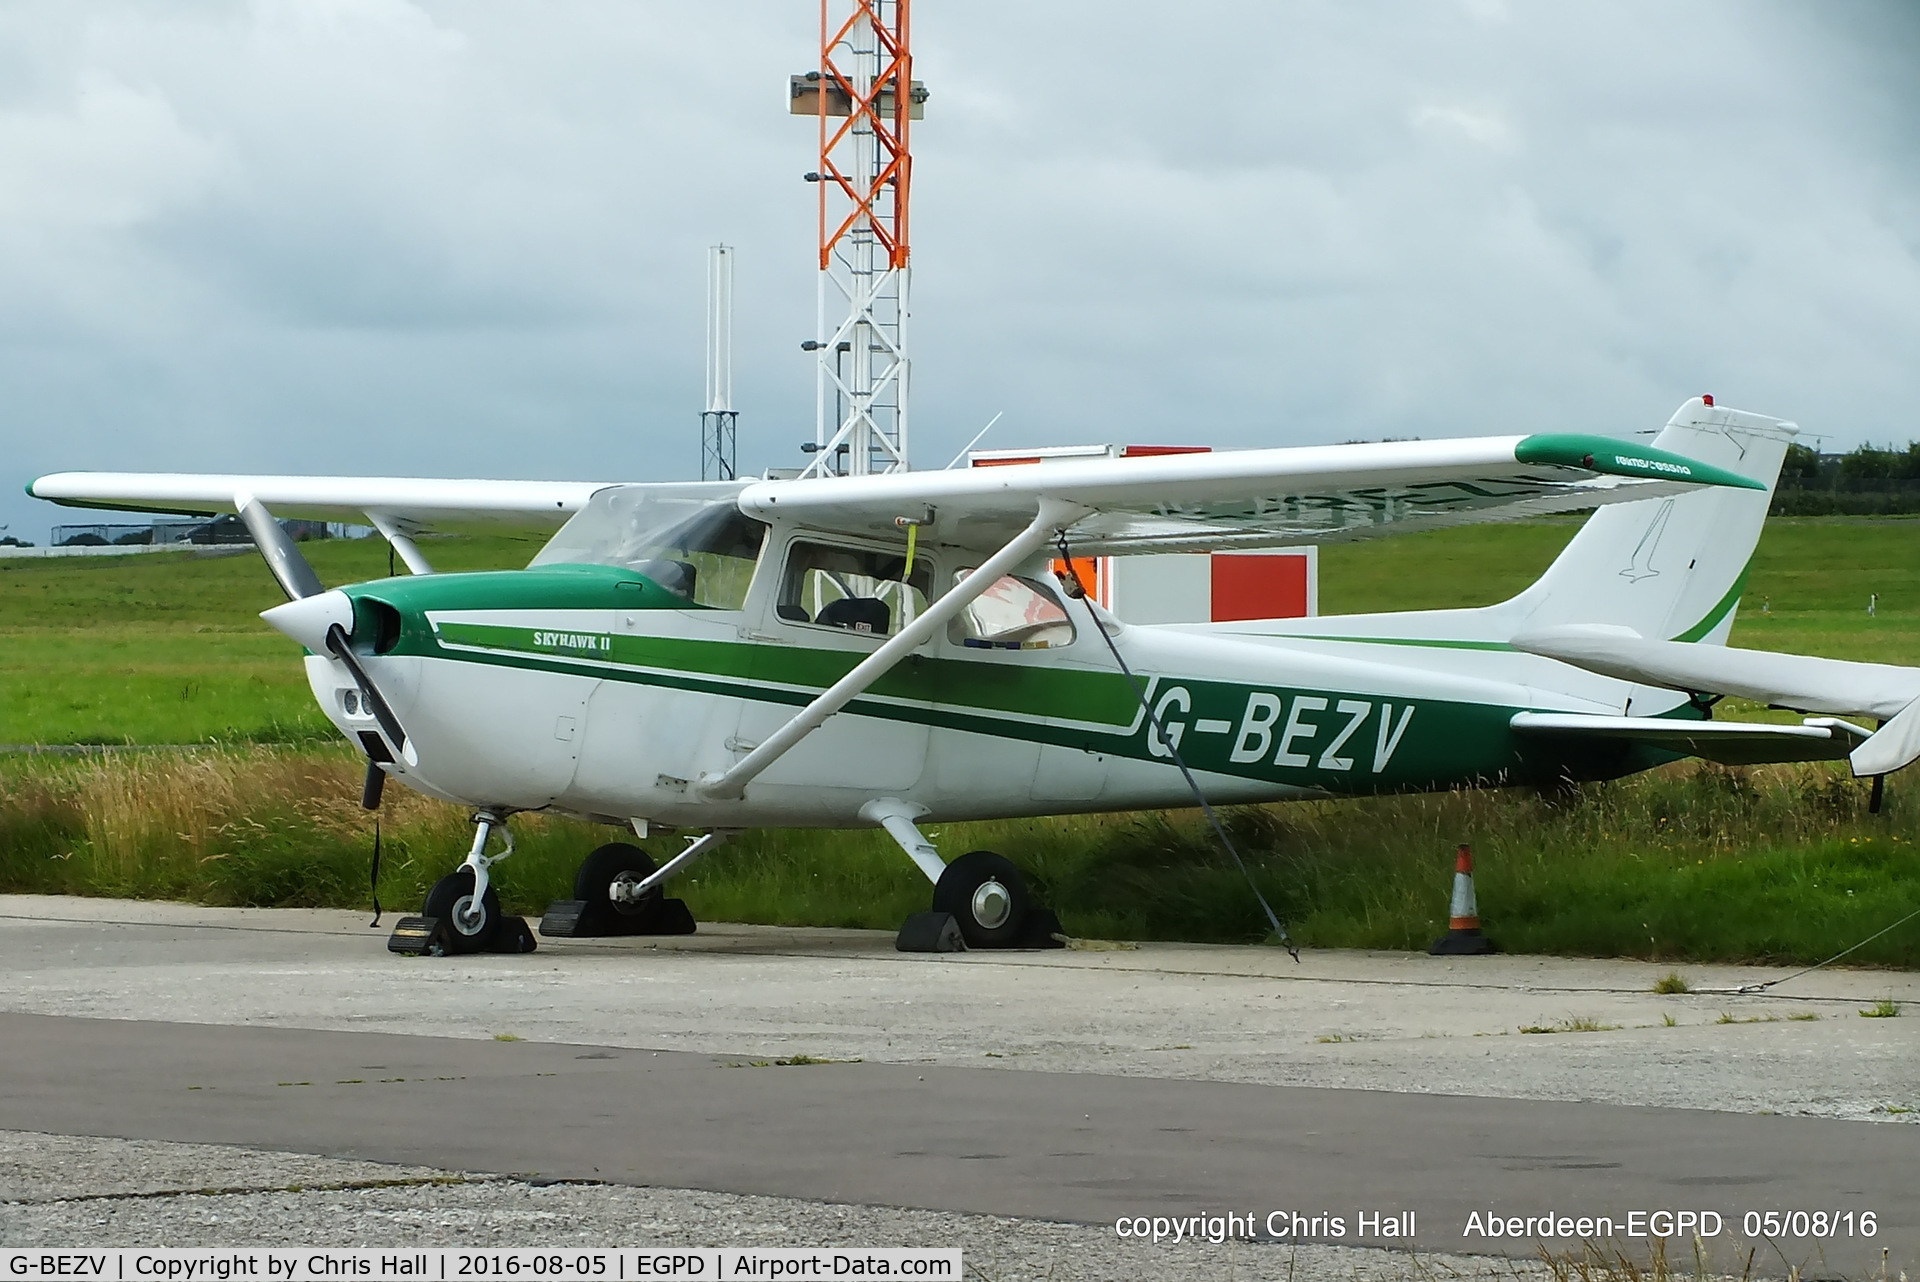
column 1796, row 681
column 1731, row 743
column 1894, row 746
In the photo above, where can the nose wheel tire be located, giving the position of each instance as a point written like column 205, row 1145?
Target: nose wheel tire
column 988, row 898
column 470, row 927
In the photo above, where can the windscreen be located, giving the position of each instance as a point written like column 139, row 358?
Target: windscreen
column 702, row 549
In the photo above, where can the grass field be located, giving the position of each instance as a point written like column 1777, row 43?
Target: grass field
column 1689, row 862
column 168, row 647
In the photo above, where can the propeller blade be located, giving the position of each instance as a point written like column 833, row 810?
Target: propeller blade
column 290, row 569
column 342, row 649
column 299, row 582
column 374, row 788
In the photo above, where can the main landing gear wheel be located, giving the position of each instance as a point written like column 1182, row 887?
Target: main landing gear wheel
column 615, row 861
column 594, row 910
column 470, row 926
column 988, row 898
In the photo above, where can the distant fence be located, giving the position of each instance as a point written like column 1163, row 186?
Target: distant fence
column 1846, row 496
column 1867, row 481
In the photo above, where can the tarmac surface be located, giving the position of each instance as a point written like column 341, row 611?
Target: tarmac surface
column 1014, row 1104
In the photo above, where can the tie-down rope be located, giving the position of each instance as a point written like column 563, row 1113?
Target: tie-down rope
column 1078, row 591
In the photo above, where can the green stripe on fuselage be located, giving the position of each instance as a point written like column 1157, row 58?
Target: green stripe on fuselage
column 1721, row 609
column 1331, row 740
column 1100, row 698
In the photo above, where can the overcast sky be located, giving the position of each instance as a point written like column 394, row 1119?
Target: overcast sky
column 468, row 238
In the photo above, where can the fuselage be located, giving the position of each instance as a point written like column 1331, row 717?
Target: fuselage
column 592, row 690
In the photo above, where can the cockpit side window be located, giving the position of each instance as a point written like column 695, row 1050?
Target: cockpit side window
column 1016, row 613
column 702, row 550
column 858, row 589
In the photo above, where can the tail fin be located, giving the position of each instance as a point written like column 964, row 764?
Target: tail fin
column 1668, row 568
column 1674, row 568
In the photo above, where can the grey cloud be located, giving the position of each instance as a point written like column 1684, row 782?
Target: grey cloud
column 469, row 237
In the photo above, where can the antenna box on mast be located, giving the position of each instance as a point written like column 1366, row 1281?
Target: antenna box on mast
column 804, row 98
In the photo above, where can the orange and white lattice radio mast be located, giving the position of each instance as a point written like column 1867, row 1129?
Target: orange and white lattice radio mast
column 864, row 97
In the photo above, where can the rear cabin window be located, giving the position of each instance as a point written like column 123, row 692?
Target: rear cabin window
column 1014, row 614
column 853, row 588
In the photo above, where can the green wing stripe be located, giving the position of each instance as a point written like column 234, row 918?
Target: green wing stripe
column 1617, row 458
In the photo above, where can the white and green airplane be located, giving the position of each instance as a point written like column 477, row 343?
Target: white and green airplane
column 895, row 649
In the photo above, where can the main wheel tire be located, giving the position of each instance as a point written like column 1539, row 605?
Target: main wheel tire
column 599, row 870
column 988, row 897
column 448, row 897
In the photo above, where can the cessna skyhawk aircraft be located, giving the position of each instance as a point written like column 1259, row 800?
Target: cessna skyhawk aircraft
column 898, row 648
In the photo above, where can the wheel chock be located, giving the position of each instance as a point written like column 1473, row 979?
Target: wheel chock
column 930, row 933
column 579, row 919
column 563, row 919
column 669, row 917
column 1042, row 929
column 513, row 936
column 414, row 936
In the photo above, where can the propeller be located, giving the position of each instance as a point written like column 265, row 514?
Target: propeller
column 290, row 570
column 297, row 579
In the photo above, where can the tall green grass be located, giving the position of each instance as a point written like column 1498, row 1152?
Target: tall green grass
column 1690, row 862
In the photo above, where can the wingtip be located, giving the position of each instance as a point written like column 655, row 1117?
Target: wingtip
column 1609, row 457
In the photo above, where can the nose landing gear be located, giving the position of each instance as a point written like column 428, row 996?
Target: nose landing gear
column 462, row 913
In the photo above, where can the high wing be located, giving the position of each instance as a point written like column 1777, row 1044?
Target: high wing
column 413, row 503
column 1239, row 498
column 1797, row 681
column 1251, row 498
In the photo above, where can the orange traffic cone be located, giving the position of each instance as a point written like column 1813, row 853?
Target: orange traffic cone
column 1463, row 936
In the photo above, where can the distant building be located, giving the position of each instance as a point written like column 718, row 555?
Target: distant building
column 219, row 530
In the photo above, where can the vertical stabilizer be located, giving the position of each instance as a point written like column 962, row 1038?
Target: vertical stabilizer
column 1673, row 568
column 1670, row 569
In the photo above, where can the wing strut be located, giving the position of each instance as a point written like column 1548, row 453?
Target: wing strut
column 401, row 541
column 1053, row 515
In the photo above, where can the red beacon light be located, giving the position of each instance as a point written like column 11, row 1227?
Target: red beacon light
column 1706, row 399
